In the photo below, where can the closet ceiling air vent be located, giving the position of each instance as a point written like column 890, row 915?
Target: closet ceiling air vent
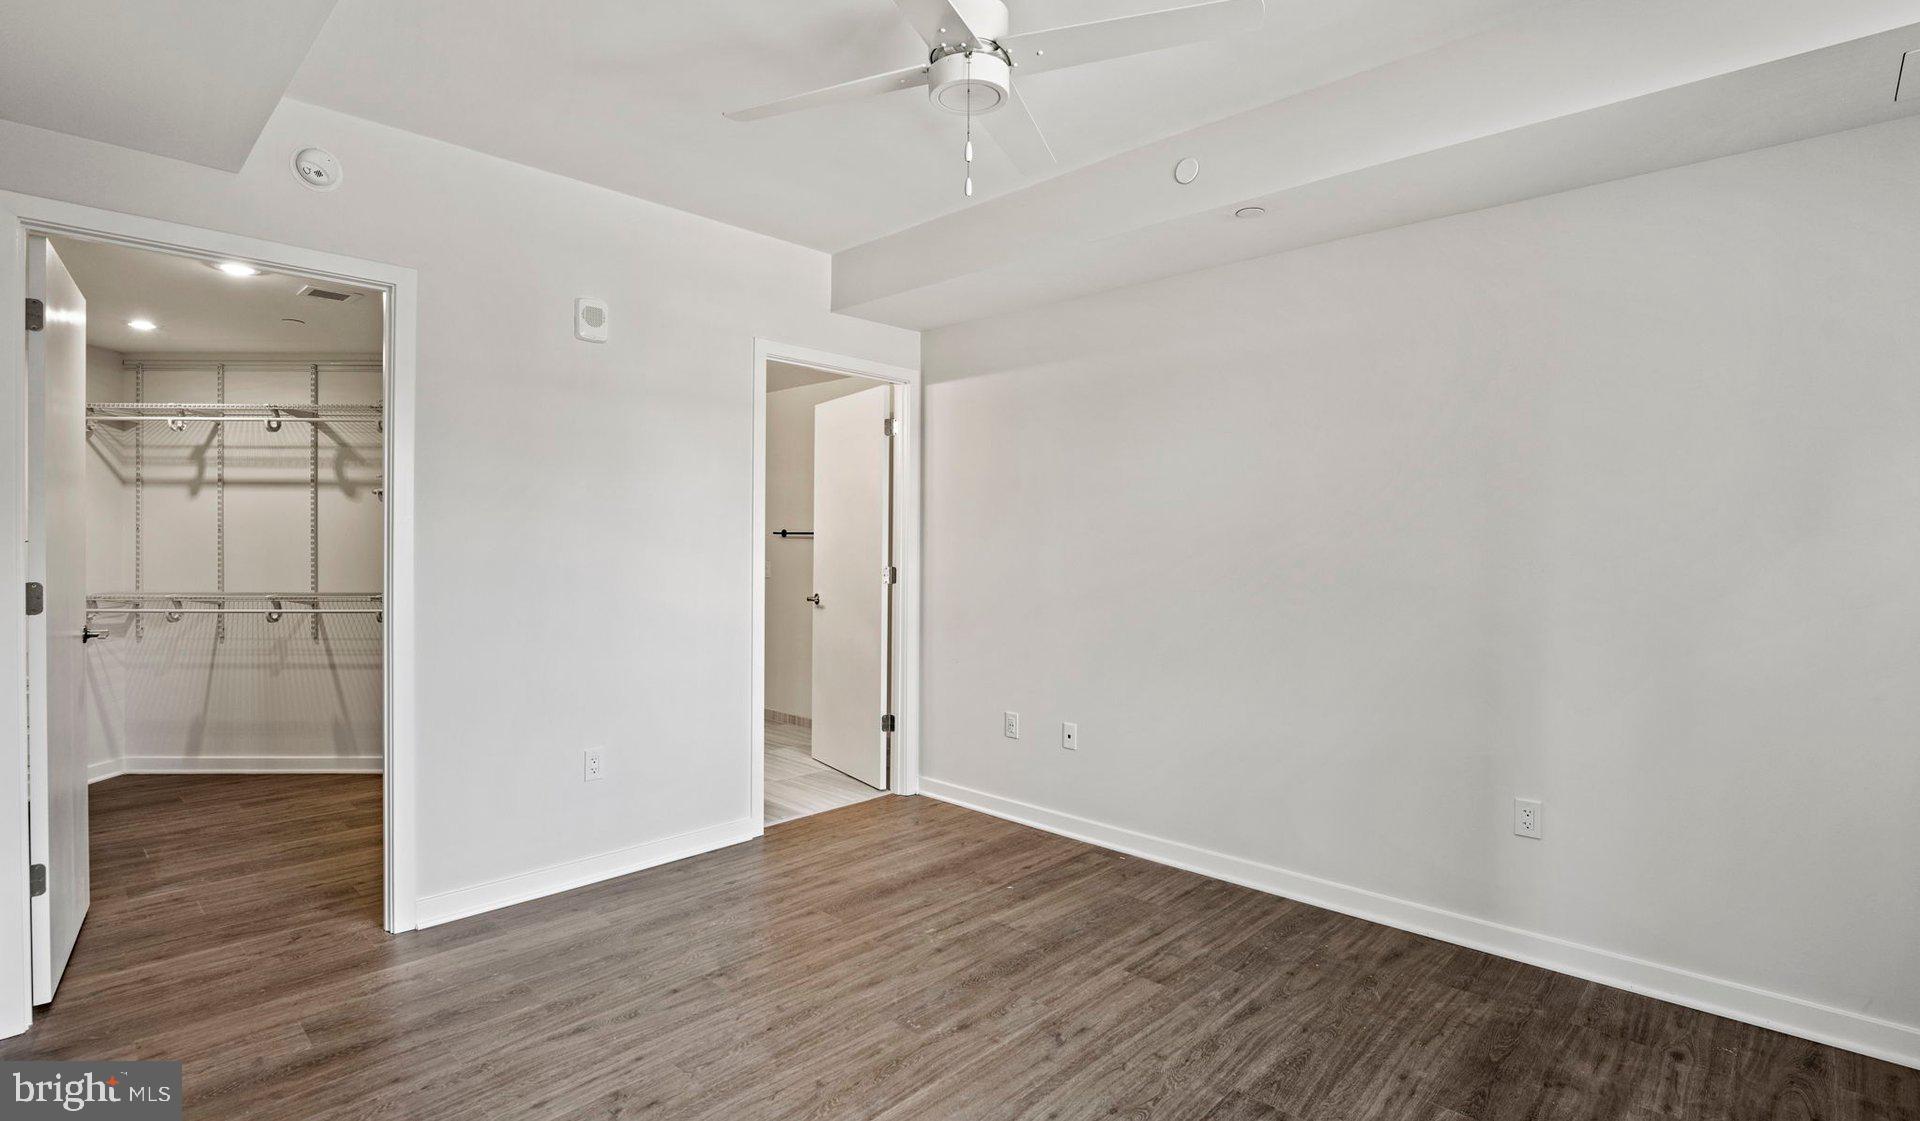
column 319, row 293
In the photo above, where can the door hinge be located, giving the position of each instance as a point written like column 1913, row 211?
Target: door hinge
column 36, row 879
column 36, row 598
column 36, row 315
column 890, row 575
column 886, row 722
column 887, row 427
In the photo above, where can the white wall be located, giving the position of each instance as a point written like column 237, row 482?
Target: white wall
column 1606, row 499
column 790, row 560
column 265, row 695
column 584, row 511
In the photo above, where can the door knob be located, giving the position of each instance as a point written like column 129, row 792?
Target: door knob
column 814, row 599
column 88, row 634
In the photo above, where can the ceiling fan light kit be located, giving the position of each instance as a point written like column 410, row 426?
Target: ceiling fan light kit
column 962, row 74
column 972, row 59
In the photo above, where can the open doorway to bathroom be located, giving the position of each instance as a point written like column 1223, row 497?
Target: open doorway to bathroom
column 830, row 579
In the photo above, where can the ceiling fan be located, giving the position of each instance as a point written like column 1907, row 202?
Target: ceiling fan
column 972, row 61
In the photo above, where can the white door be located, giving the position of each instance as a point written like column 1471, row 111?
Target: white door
column 57, row 561
column 852, row 512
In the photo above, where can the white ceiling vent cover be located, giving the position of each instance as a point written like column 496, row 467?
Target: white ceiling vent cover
column 331, row 295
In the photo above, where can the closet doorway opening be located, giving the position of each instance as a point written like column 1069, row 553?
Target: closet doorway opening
column 829, row 615
column 208, row 686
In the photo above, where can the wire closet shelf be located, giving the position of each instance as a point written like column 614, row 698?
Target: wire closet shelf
column 179, row 413
column 273, row 605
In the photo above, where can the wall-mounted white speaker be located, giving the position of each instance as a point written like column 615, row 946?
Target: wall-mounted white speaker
column 590, row 319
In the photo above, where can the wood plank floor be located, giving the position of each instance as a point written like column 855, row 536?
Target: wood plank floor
column 797, row 784
column 899, row 958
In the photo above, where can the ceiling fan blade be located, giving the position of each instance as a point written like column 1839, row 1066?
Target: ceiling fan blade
column 907, row 78
column 950, row 21
column 1060, row 47
column 1018, row 135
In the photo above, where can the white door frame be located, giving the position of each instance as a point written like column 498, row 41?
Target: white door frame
column 903, row 767
column 21, row 215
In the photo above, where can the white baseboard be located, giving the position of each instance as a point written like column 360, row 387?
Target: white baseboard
column 105, row 768
column 244, row 764
column 1883, row 1039
column 432, row 910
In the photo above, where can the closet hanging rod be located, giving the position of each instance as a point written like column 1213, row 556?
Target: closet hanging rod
column 221, row 410
column 371, row 363
column 235, row 611
column 793, row 533
column 369, row 597
column 186, row 419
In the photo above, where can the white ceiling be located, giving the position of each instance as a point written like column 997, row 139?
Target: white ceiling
column 629, row 95
column 200, row 310
column 1340, row 118
column 1500, row 117
column 194, row 82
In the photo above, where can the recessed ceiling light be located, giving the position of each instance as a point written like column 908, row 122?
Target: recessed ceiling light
column 295, row 322
column 1250, row 212
column 237, row 268
column 142, row 324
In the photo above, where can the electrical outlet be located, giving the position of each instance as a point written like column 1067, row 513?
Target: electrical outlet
column 1010, row 725
column 1526, row 818
column 595, row 764
column 1070, row 736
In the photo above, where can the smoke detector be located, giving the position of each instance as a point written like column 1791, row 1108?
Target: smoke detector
column 317, row 168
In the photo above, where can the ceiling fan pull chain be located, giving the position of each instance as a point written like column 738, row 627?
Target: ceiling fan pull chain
column 969, row 124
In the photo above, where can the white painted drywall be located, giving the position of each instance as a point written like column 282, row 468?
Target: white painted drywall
column 265, row 695
column 1606, row 499
column 790, row 560
column 584, row 511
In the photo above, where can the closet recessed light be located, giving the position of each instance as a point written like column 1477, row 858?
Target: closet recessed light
column 237, row 268
column 142, row 324
column 1250, row 212
column 295, row 322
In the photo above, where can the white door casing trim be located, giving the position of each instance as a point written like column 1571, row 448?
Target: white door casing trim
column 21, row 215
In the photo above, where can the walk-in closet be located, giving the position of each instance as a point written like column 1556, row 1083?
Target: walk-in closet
column 229, row 678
